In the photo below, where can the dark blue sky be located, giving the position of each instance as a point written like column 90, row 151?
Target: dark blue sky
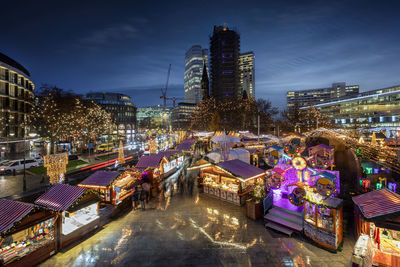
column 126, row 46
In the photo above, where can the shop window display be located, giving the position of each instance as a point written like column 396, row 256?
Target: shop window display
column 75, row 220
column 325, row 219
column 22, row 243
column 309, row 213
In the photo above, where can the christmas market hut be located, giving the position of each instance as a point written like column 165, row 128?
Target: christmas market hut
column 27, row 233
column 323, row 220
column 112, row 186
column 77, row 208
column 230, row 180
column 152, row 167
column 186, row 146
column 377, row 226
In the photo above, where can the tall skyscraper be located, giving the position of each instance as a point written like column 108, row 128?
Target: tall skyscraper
column 194, row 59
column 224, row 53
column 247, row 74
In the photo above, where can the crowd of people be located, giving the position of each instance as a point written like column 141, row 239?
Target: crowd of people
column 184, row 183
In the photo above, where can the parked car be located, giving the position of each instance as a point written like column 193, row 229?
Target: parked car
column 18, row 165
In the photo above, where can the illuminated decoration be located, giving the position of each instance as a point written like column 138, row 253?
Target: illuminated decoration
column 321, row 156
column 295, row 146
column 325, row 187
column 383, row 181
column 365, row 184
column 299, row 163
column 121, row 157
column 297, row 196
column 392, row 187
column 275, row 178
column 56, row 165
column 273, row 154
column 153, row 147
column 378, row 186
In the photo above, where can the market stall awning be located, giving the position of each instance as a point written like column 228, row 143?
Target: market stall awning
column 240, row 169
column 274, row 147
column 149, row 161
column 323, row 146
column 199, row 164
column 11, row 212
column 60, row 197
column 100, row 179
column 325, row 174
column 186, row 145
column 378, row 204
column 168, row 153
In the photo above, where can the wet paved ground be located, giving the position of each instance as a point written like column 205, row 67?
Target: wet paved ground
column 195, row 231
column 11, row 185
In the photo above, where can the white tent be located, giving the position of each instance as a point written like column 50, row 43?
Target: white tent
column 225, row 141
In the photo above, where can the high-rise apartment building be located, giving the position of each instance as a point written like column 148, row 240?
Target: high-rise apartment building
column 247, row 74
column 195, row 58
column 16, row 99
column 224, row 55
column 312, row 97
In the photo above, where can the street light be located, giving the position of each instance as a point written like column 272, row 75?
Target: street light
column 24, row 178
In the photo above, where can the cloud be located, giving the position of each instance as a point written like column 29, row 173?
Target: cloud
column 109, row 34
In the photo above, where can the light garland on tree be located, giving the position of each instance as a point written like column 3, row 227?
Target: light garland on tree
column 56, row 165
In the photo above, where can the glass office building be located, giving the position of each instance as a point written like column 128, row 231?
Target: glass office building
column 373, row 109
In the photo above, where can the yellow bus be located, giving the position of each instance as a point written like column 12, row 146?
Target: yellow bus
column 106, row 147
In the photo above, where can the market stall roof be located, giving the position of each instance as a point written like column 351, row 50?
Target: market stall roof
column 322, row 146
column 11, row 212
column 149, row 161
column 60, row 197
column 101, row 178
column 325, row 174
column 240, row 169
column 185, row 145
column 274, row 147
column 278, row 170
column 168, row 153
column 378, row 204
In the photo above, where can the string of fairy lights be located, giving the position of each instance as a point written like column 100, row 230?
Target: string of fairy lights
column 235, row 114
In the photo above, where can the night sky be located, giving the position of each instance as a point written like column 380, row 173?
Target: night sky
column 126, row 46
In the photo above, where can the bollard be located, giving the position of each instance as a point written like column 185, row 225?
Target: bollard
column 14, row 171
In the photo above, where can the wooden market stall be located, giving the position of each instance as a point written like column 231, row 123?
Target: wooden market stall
column 323, row 222
column 230, row 180
column 377, row 226
column 27, row 233
column 113, row 186
column 77, row 208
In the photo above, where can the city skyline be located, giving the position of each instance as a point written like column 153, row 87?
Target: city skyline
column 127, row 49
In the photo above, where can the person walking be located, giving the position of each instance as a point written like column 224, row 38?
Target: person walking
column 181, row 185
column 135, row 198
column 161, row 195
column 191, row 184
column 143, row 199
column 146, row 187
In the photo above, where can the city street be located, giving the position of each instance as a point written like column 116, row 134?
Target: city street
column 195, row 231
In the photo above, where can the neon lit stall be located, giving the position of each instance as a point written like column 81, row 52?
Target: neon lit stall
column 321, row 156
column 27, row 233
column 113, row 187
column 230, row 180
column 377, row 225
column 77, row 208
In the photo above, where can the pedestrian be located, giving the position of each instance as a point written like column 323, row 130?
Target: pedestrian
column 143, row 199
column 181, row 185
column 146, row 187
column 171, row 186
column 191, row 184
column 161, row 195
column 135, row 198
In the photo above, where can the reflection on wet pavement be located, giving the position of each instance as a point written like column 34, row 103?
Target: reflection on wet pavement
column 197, row 231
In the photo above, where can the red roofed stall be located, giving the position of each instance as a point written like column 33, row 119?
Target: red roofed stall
column 77, row 208
column 28, row 233
column 377, row 226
